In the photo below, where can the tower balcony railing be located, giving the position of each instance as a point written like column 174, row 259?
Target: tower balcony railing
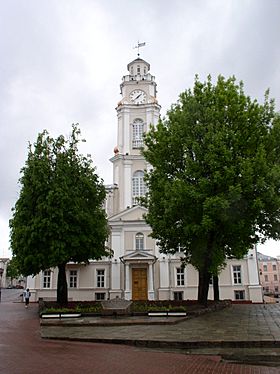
column 137, row 144
column 138, row 77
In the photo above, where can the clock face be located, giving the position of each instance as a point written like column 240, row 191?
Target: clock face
column 138, row 97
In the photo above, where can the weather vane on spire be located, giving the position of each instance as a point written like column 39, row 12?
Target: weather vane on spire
column 138, row 46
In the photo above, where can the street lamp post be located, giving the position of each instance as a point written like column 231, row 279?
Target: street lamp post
column 1, row 273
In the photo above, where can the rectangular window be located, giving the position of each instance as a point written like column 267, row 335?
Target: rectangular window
column 266, row 278
column 276, row 288
column 236, row 270
column 274, row 267
column 73, row 276
column 239, row 295
column 264, row 267
column 275, row 277
column 180, row 276
column 178, row 295
column 100, row 281
column 47, row 279
column 99, row 296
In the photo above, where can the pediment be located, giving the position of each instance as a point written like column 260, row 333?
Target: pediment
column 138, row 256
column 131, row 214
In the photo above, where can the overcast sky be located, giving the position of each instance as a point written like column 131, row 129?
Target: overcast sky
column 62, row 62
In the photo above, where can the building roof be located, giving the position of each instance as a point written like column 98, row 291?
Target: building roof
column 138, row 60
column 262, row 257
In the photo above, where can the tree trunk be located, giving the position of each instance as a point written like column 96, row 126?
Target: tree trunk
column 62, row 291
column 204, row 274
column 216, row 287
column 203, row 287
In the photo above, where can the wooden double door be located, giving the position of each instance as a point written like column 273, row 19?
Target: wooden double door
column 139, row 284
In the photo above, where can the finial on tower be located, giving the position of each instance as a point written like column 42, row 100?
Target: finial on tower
column 138, row 46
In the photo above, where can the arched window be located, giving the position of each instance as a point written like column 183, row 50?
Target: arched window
column 139, row 241
column 138, row 186
column 137, row 133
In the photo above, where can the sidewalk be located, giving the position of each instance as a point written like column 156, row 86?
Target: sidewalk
column 240, row 332
column 23, row 351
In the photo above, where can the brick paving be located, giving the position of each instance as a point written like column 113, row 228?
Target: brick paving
column 22, row 351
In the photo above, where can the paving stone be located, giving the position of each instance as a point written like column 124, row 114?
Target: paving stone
column 24, row 352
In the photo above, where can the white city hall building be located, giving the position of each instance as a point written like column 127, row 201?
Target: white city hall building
column 137, row 270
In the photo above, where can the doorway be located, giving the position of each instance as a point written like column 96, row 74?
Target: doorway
column 139, row 284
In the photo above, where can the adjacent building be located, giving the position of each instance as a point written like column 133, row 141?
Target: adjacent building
column 269, row 268
column 137, row 270
column 3, row 271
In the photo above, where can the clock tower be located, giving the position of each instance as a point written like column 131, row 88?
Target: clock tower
column 137, row 110
column 134, row 251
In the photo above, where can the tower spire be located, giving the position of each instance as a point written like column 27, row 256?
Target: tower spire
column 139, row 45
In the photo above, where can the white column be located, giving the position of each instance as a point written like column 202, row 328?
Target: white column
column 116, row 265
column 164, row 285
column 164, row 273
column 126, row 132
column 254, row 287
column 151, row 291
column 120, row 133
column 115, row 274
column 127, row 184
column 253, row 272
column 127, row 291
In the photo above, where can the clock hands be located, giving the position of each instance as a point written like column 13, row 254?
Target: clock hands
column 137, row 96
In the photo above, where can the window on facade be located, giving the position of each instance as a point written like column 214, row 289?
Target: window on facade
column 100, row 296
column 131, row 70
column 274, row 267
column 264, row 267
column 239, row 295
column 267, row 289
column 139, row 241
column 275, row 277
column 138, row 186
column 276, row 288
column 137, row 133
column 178, row 295
column 236, row 270
column 73, row 276
column 180, row 276
column 100, row 281
column 47, row 279
column 266, row 278
column 138, row 69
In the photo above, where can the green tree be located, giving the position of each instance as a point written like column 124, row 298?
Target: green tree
column 215, row 179
column 59, row 216
column 13, row 269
